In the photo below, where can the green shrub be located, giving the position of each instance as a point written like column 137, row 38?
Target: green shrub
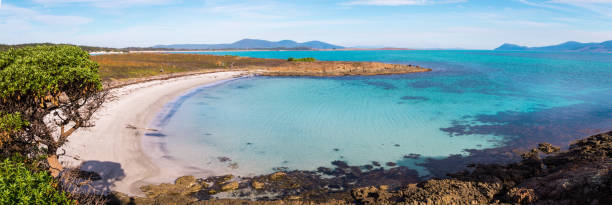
column 18, row 185
column 302, row 59
column 40, row 71
column 56, row 89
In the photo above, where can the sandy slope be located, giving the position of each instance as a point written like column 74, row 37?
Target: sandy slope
column 113, row 147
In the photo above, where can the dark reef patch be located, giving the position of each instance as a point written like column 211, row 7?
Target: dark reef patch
column 412, row 156
column 380, row 84
column 155, row 134
column 521, row 130
column 414, row 98
column 224, row 159
column 243, row 86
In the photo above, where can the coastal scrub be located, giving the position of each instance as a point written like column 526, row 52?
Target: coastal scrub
column 19, row 185
column 47, row 92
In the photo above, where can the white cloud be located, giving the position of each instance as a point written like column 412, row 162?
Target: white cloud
column 8, row 11
column 105, row 3
column 401, row 2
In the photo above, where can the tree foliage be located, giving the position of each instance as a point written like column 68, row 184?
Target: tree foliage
column 10, row 124
column 19, row 185
column 44, row 89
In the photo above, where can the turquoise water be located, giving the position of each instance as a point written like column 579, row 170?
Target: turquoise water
column 473, row 100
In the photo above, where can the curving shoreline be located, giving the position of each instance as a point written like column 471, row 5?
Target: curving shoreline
column 117, row 149
column 113, row 147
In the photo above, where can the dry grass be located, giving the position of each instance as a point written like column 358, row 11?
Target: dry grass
column 140, row 65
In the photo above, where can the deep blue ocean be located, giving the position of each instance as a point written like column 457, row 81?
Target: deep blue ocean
column 475, row 106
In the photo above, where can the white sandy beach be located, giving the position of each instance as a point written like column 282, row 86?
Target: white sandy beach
column 113, row 148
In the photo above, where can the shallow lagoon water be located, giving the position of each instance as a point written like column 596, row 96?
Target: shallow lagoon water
column 472, row 100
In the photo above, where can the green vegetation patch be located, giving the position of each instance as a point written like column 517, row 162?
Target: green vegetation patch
column 39, row 71
column 18, row 185
column 10, row 124
column 302, row 59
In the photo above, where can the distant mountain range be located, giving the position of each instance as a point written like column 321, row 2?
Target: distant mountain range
column 570, row 46
column 255, row 44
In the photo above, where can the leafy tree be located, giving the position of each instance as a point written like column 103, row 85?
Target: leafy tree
column 19, row 185
column 47, row 92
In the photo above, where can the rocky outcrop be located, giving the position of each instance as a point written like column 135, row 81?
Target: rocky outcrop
column 181, row 192
column 581, row 175
column 337, row 68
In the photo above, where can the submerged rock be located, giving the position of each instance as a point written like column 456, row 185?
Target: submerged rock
column 340, row 164
column 412, row 156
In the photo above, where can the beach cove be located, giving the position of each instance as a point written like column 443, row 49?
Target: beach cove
column 217, row 129
column 113, row 147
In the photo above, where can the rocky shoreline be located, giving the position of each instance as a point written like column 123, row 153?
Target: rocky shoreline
column 545, row 175
column 338, row 68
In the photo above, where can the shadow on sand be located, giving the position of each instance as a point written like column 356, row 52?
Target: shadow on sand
column 108, row 172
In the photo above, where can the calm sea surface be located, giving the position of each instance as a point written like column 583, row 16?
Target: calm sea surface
column 473, row 102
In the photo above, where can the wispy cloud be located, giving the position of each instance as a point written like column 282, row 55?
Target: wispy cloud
column 259, row 11
column 601, row 7
column 400, row 2
column 13, row 12
column 105, row 3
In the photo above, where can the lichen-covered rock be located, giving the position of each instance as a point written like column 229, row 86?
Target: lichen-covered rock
column 230, row 186
column 547, row 148
column 278, row 175
column 370, row 195
column 521, row 195
column 448, row 191
column 257, row 185
column 183, row 186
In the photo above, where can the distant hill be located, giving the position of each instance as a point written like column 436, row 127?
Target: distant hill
column 255, row 44
column 570, row 46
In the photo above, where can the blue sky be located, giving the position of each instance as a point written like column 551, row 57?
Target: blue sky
column 472, row 24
